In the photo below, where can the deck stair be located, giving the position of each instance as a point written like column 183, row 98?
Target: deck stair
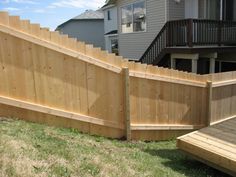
column 214, row 145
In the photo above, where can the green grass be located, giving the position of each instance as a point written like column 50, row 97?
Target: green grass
column 28, row 149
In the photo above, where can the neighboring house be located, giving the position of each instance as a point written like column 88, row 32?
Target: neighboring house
column 111, row 28
column 87, row 27
column 192, row 35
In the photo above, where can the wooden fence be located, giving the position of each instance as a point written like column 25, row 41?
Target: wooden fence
column 49, row 78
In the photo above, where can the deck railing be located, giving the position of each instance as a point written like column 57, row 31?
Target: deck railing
column 190, row 32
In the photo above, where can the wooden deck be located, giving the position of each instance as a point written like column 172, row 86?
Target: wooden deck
column 214, row 145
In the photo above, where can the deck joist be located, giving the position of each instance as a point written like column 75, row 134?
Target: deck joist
column 214, row 145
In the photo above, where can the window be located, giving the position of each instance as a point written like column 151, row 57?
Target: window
column 127, row 19
column 133, row 18
column 108, row 15
column 139, row 16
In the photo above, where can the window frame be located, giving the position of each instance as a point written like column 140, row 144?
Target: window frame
column 145, row 5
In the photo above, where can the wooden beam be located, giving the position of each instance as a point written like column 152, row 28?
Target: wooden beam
column 127, row 102
column 167, row 79
column 58, row 112
column 224, row 83
column 209, row 55
column 165, row 127
column 193, row 56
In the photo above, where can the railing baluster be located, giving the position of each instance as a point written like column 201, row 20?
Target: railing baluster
column 190, row 33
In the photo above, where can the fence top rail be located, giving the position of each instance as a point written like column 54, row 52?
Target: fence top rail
column 224, row 83
column 167, row 79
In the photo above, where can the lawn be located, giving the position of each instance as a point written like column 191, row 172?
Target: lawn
column 29, row 149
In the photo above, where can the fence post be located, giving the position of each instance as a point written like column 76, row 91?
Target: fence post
column 127, row 103
column 209, row 113
column 190, row 32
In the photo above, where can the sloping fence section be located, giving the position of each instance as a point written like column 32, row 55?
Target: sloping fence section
column 222, row 100
column 49, row 78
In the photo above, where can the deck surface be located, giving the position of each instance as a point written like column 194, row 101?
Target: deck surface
column 214, row 145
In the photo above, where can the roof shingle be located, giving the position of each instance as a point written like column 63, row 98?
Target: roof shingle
column 90, row 14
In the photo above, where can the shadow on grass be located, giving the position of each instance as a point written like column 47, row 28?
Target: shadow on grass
column 179, row 162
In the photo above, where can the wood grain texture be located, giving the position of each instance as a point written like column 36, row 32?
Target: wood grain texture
column 215, row 144
column 50, row 70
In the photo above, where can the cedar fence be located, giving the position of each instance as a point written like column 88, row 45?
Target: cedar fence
column 49, row 78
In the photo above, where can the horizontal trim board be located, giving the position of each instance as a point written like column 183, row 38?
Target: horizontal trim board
column 58, row 48
column 224, row 83
column 167, row 79
column 165, row 127
column 57, row 112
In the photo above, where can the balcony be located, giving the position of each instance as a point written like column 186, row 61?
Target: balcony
column 190, row 34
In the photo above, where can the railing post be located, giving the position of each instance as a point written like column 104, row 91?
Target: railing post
column 127, row 103
column 190, row 32
column 219, row 40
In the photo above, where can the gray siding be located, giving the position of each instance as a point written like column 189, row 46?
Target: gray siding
column 201, row 9
column 133, row 45
column 175, row 11
column 89, row 31
column 110, row 25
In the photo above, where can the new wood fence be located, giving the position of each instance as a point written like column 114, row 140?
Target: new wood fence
column 49, row 78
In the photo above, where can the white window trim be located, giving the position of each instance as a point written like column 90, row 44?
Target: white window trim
column 120, row 23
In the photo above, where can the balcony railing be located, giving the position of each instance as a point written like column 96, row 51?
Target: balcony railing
column 189, row 33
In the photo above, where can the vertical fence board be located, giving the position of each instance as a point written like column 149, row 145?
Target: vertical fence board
column 32, row 72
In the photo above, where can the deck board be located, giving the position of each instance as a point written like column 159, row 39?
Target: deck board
column 214, row 145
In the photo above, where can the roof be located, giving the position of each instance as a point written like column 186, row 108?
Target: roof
column 110, row 2
column 112, row 32
column 87, row 15
column 90, row 14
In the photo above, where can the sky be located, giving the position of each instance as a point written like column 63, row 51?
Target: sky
column 48, row 13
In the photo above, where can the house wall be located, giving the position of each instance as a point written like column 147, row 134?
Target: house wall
column 107, row 43
column 175, row 11
column 191, row 8
column 133, row 45
column 89, row 31
column 110, row 25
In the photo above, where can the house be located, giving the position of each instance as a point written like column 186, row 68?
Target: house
column 192, row 35
column 87, row 27
column 111, row 28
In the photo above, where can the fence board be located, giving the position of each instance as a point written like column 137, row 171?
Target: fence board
column 53, row 71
